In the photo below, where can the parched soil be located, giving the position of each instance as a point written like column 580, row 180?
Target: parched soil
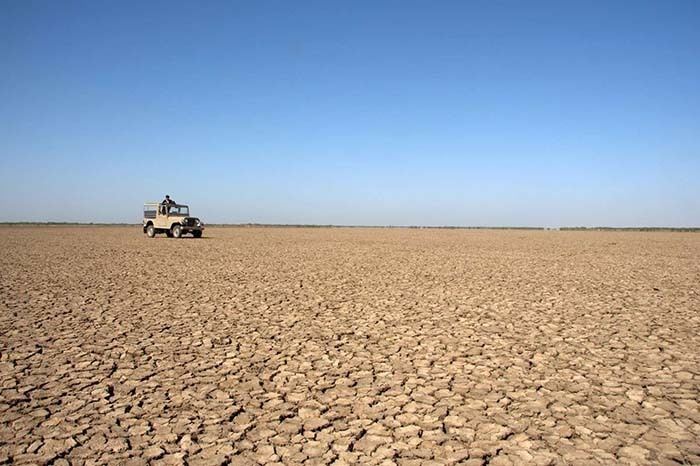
column 369, row 346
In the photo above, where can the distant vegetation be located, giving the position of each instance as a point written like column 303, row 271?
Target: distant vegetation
column 694, row 230
column 68, row 224
column 416, row 227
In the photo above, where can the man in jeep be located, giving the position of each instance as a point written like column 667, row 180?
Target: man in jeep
column 165, row 204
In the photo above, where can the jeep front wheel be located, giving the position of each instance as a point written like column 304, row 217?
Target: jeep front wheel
column 150, row 231
column 197, row 233
column 176, row 231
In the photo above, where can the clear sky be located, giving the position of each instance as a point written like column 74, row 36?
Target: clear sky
column 378, row 112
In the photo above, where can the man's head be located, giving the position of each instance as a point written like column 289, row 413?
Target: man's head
column 167, row 196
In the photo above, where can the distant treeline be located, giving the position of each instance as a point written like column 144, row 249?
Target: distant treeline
column 413, row 227
column 416, row 227
column 68, row 224
column 450, row 227
column 689, row 229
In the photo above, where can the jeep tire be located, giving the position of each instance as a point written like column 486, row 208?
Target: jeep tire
column 197, row 233
column 150, row 231
column 176, row 231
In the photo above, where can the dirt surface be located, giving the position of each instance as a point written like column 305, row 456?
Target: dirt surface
column 369, row 346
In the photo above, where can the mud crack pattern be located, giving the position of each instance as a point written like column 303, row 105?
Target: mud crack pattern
column 349, row 346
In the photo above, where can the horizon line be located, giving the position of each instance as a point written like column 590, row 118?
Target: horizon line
column 434, row 227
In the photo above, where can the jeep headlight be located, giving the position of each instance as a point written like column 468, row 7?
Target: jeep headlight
column 199, row 224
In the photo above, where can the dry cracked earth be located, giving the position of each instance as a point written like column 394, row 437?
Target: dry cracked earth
column 349, row 346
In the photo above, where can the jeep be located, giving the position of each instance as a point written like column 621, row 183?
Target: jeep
column 172, row 219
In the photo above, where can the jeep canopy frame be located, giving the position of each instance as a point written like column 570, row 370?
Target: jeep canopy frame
column 152, row 209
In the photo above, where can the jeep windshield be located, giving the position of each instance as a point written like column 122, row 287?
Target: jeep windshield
column 179, row 210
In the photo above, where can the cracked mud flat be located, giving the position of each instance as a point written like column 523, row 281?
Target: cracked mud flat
column 366, row 346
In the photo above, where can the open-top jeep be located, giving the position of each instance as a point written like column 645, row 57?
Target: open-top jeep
column 172, row 219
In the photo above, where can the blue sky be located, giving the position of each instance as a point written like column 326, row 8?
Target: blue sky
column 398, row 112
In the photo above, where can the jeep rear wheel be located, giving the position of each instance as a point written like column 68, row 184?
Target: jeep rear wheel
column 176, row 231
column 150, row 231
